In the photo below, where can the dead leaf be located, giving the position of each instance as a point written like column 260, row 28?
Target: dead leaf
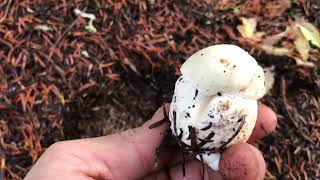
column 269, row 75
column 62, row 100
column 248, row 29
column 43, row 27
column 89, row 27
column 274, row 39
column 302, row 46
column 310, row 32
column 302, row 34
column 277, row 51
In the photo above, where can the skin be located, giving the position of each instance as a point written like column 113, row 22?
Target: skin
column 131, row 155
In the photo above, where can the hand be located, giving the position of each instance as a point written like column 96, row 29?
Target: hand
column 131, row 155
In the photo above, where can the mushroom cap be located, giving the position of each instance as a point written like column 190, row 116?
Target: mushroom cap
column 225, row 68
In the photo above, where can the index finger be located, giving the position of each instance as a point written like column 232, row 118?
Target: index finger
column 265, row 124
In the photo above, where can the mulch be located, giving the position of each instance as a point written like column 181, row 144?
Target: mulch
column 60, row 81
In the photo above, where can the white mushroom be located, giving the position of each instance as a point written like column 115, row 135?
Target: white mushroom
column 216, row 97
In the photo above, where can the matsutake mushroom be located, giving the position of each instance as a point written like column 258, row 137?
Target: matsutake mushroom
column 215, row 101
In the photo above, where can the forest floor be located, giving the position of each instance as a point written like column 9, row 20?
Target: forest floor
column 66, row 76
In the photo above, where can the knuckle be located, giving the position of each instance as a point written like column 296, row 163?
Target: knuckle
column 129, row 133
column 57, row 149
column 57, row 146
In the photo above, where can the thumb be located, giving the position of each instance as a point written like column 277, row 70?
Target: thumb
column 131, row 154
column 242, row 161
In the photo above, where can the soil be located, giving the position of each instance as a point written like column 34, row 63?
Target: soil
column 62, row 82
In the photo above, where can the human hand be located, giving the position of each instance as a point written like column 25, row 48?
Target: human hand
column 131, row 155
